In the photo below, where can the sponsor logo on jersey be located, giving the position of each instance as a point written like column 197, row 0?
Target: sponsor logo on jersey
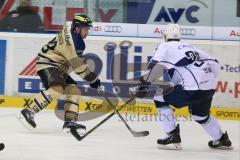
column 60, row 38
column 67, row 37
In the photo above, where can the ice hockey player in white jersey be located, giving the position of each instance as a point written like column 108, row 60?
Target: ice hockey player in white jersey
column 193, row 74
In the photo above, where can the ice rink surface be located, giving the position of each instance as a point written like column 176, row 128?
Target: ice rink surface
column 111, row 141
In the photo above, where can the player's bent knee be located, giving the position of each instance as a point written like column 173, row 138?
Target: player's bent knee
column 54, row 92
column 201, row 120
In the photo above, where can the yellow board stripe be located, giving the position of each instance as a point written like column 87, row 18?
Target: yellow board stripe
column 138, row 108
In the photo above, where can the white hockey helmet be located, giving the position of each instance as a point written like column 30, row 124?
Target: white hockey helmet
column 172, row 31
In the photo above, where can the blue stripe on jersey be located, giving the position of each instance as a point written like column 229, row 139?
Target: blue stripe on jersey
column 184, row 62
column 215, row 60
column 50, row 60
column 171, row 72
column 47, row 63
column 174, row 70
column 78, row 43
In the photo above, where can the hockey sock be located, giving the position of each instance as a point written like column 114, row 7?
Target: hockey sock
column 71, row 105
column 41, row 101
column 166, row 118
column 44, row 98
column 211, row 126
column 71, row 110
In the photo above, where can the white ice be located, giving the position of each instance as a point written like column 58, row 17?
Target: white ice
column 111, row 141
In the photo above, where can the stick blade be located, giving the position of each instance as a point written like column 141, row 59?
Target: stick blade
column 76, row 134
column 140, row 134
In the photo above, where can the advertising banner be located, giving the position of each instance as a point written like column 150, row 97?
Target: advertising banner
column 184, row 12
column 114, row 29
column 2, row 65
column 156, row 30
column 187, row 32
column 226, row 33
column 55, row 13
column 140, row 109
column 121, row 57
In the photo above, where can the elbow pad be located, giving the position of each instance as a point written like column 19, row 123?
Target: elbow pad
column 152, row 73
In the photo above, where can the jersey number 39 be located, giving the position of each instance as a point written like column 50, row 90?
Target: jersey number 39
column 194, row 56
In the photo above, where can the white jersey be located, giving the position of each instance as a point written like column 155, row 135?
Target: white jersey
column 187, row 65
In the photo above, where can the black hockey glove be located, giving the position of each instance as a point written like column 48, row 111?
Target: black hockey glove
column 142, row 90
column 96, row 84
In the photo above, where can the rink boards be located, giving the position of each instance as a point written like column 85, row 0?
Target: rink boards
column 21, row 79
column 137, row 109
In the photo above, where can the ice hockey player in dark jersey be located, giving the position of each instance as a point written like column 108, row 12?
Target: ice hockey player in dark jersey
column 193, row 74
column 63, row 52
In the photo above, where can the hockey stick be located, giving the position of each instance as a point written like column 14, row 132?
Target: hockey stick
column 79, row 138
column 134, row 133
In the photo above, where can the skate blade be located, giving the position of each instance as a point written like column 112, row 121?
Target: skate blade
column 23, row 121
column 80, row 131
column 173, row 146
column 223, row 148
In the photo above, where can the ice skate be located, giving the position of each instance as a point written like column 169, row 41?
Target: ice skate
column 73, row 125
column 26, row 117
column 223, row 143
column 172, row 141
